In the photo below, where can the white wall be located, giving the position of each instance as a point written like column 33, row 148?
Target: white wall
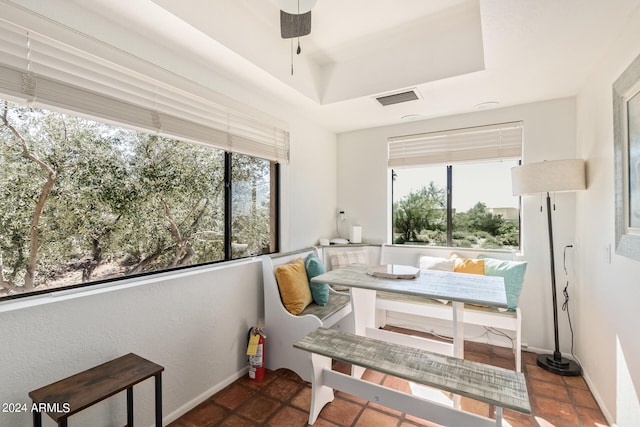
column 609, row 291
column 549, row 129
column 194, row 325
column 309, row 197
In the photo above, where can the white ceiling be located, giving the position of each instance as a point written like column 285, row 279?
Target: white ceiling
column 456, row 53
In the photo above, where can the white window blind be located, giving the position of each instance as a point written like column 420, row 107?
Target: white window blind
column 492, row 142
column 38, row 69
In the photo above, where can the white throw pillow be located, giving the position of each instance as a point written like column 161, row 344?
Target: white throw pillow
column 344, row 258
column 434, row 263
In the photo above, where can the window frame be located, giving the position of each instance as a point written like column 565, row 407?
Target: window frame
column 447, row 148
column 275, row 225
column 449, row 210
column 84, row 77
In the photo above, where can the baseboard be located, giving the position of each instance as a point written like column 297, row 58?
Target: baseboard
column 596, row 396
column 202, row 397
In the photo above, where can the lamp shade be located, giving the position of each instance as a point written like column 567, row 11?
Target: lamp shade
column 548, row 176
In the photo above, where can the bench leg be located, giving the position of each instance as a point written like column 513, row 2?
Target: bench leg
column 320, row 393
column 518, row 342
column 498, row 416
column 130, row 406
column 37, row 419
column 158, row 388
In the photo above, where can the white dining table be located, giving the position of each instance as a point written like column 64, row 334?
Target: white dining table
column 459, row 288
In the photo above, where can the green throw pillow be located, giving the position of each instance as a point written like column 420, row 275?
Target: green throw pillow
column 319, row 291
column 513, row 274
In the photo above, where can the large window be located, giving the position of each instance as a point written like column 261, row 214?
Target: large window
column 482, row 213
column 454, row 188
column 83, row 202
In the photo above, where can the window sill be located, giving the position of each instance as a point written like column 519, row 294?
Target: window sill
column 68, row 294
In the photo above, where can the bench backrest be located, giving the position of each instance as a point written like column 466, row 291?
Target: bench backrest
column 272, row 300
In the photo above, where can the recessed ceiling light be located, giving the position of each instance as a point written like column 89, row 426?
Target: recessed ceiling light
column 410, row 117
column 485, row 105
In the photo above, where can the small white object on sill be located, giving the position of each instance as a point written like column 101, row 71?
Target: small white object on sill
column 339, row 241
column 356, row 234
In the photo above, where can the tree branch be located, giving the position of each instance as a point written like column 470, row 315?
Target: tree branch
column 42, row 199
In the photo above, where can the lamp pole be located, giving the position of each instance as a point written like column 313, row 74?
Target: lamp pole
column 556, row 363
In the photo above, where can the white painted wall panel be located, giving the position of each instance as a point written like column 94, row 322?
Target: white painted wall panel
column 607, row 297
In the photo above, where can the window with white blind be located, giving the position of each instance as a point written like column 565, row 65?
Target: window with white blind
column 36, row 69
column 453, row 188
column 107, row 173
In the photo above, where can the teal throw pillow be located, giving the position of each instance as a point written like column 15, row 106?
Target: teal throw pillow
column 513, row 274
column 319, row 291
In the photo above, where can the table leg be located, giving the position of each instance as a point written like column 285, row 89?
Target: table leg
column 158, row 400
column 130, row 407
column 363, row 303
column 458, row 329
column 37, row 419
column 458, row 341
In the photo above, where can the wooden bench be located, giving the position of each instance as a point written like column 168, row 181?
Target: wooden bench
column 428, row 308
column 283, row 328
column 493, row 385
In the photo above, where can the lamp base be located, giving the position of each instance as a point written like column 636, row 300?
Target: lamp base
column 559, row 365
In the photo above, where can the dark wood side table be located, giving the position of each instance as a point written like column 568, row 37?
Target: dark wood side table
column 66, row 397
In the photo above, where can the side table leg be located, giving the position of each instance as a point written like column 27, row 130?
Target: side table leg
column 130, row 407
column 159, row 400
column 37, row 419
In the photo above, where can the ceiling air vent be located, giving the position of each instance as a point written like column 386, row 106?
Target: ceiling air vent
column 397, row 98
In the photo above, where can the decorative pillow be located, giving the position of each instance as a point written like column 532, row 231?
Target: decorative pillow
column 468, row 265
column 434, row 263
column 513, row 274
column 319, row 291
column 294, row 286
column 344, row 258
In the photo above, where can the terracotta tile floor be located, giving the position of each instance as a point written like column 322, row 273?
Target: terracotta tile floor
column 282, row 399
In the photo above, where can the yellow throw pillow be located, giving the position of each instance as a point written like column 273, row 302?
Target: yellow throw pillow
column 294, row 286
column 468, row 265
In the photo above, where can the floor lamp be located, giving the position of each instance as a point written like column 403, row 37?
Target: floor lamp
column 549, row 177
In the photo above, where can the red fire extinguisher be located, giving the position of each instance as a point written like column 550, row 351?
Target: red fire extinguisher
column 255, row 351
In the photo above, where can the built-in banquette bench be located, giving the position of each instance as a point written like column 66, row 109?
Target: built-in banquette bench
column 394, row 309
column 490, row 384
column 284, row 328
